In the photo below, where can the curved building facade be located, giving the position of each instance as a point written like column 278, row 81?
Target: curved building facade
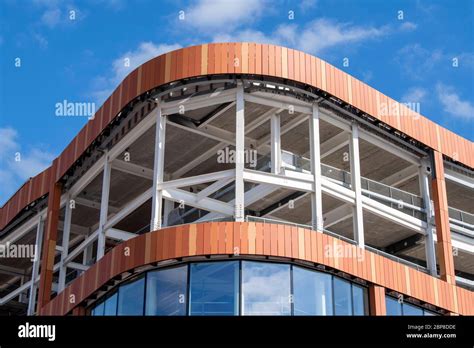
column 247, row 179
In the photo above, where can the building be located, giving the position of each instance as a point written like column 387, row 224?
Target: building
column 243, row 178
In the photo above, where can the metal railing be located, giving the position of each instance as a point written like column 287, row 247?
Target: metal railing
column 461, row 218
column 393, row 197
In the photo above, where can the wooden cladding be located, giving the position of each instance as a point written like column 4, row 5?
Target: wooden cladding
column 245, row 58
column 440, row 199
column 249, row 238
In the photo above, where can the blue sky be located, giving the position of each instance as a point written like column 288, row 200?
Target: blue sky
column 81, row 59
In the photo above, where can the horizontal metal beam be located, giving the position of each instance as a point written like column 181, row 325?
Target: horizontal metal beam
column 119, row 235
column 205, row 203
column 278, row 180
column 134, row 169
column 198, row 179
column 458, row 178
column 197, row 102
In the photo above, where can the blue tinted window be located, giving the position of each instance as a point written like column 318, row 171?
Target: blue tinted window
column 265, row 289
column 166, row 291
column 342, row 297
column 358, row 300
column 214, row 288
column 411, row 310
column 312, row 292
column 111, row 305
column 99, row 309
column 393, row 306
column 130, row 298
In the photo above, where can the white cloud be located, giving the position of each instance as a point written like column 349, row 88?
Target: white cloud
column 18, row 165
column 453, row 104
column 224, row 15
column 317, row 36
column 307, row 4
column 42, row 41
column 103, row 86
column 51, row 17
column 414, row 95
column 416, row 61
column 408, row 26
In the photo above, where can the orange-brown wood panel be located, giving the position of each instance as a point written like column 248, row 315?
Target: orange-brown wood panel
column 265, row 59
column 273, row 239
column 377, row 300
column 244, row 239
column 282, row 234
column 302, row 67
column 307, row 245
column 267, row 245
column 259, row 248
column 252, row 58
column 258, row 59
column 294, row 241
column 236, row 241
column 251, row 235
column 297, row 65
column 271, row 60
column 291, row 67
column 229, row 238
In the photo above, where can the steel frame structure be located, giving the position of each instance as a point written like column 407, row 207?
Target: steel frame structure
column 169, row 189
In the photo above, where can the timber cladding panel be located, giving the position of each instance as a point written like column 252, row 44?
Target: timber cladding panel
column 248, row 58
column 258, row 239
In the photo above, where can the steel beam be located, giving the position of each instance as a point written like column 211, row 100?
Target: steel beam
column 356, row 186
column 158, row 170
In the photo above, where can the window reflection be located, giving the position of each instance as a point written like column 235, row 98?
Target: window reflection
column 111, row 305
column 214, row 288
column 130, row 298
column 393, row 307
column 312, row 292
column 359, row 301
column 166, row 291
column 342, row 297
column 265, row 289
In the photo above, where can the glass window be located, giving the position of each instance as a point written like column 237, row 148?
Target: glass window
column 130, row 298
column 111, row 305
column 265, row 289
column 359, row 300
column 429, row 313
column 312, row 292
column 166, row 291
column 342, row 297
column 411, row 310
column 393, row 306
column 99, row 309
column 214, row 288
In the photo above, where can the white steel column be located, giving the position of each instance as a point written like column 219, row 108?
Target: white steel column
column 315, row 153
column 276, row 143
column 65, row 245
column 168, row 207
column 36, row 264
column 158, row 170
column 239, row 207
column 429, row 239
column 104, row 207
column 356, row 186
